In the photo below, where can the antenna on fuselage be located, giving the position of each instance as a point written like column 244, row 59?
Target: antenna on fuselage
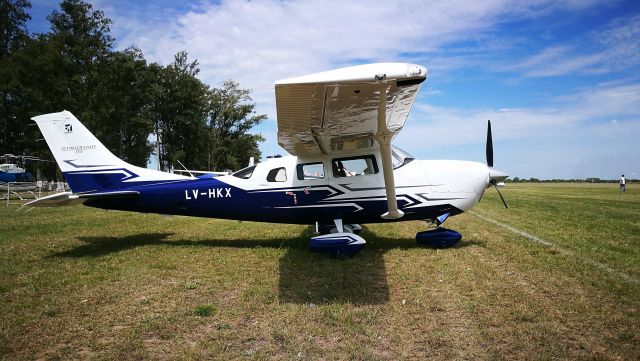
column 185, row 168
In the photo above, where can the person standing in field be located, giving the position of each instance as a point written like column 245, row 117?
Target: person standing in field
column 623, row 184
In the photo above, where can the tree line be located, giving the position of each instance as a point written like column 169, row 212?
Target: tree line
column 578, row 180
column 123, row 99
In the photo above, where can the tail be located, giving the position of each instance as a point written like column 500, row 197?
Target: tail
column 87, row 165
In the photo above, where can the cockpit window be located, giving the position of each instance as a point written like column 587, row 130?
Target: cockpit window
column 245, row 173
column 310, row 171
column 400, row 157
column 354, row 166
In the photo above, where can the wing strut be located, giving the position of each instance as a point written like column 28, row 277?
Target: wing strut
column 383, row 137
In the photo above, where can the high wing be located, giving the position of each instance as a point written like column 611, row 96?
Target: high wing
column 338, row 110
column 349, row 109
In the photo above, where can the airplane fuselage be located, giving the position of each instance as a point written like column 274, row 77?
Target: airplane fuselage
column 279, row 191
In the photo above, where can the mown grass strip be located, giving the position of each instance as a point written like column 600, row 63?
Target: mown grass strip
column 545, row 243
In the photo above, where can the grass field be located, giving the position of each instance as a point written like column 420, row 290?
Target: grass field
column 81, row 283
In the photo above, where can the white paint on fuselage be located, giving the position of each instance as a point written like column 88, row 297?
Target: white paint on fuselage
column 460, row 179
column 432, row 182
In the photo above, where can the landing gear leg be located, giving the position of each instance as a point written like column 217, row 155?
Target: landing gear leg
column 341, row 243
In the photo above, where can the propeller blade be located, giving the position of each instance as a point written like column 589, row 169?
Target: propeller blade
column 489, row 145
column 501, row 197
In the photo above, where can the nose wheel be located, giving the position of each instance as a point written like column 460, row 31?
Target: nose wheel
column 439, row 237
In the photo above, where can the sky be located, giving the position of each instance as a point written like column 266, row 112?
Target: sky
column 559, row 80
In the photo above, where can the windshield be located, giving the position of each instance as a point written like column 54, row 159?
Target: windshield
column 400, row 157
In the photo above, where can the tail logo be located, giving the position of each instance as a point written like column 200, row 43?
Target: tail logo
column 78, row 148
column 68, row 129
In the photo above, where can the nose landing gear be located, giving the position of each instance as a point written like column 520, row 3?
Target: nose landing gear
column 438, row 238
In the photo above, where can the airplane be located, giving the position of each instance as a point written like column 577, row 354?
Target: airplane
column 15, row 178
column 342, row 170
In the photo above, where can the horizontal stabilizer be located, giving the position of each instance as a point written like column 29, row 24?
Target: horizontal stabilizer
column 56, row 200
column 70, row 199
column 115, row 194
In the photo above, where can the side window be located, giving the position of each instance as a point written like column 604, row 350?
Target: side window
column 354, row 166
column 310, row 171
column 277, row 175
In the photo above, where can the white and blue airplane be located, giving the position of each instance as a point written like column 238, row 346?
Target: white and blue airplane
column 342, row 170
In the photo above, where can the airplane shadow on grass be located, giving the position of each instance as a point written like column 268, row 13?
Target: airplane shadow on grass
column 305, row 277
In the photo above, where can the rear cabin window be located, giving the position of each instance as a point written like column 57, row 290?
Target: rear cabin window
column 245, row 173
column 354, row 166
column 277, row 175
column 310, row 171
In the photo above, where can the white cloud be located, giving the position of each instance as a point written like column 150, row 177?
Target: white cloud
column 568, row 114
column 563, row 140
column 614, row 48
column 261, row 41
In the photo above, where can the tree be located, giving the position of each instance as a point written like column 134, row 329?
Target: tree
column 13, row 35
column 179, row 111
column 80, row 37
column 116, row 94
column 13, row 30
column 200, row 127
column 231, row 114
column 56, row 71
column 121, row 98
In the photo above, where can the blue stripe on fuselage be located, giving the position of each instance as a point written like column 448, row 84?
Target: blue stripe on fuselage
column 216, row 199
column 211, row 197
column 98, row 180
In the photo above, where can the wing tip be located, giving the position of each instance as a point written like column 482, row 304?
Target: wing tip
column 360, row 73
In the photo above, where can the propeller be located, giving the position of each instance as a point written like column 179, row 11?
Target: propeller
column 489, row 145
column 494, row 175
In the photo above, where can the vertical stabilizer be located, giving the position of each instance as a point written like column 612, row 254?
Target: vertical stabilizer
column 86, row 163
